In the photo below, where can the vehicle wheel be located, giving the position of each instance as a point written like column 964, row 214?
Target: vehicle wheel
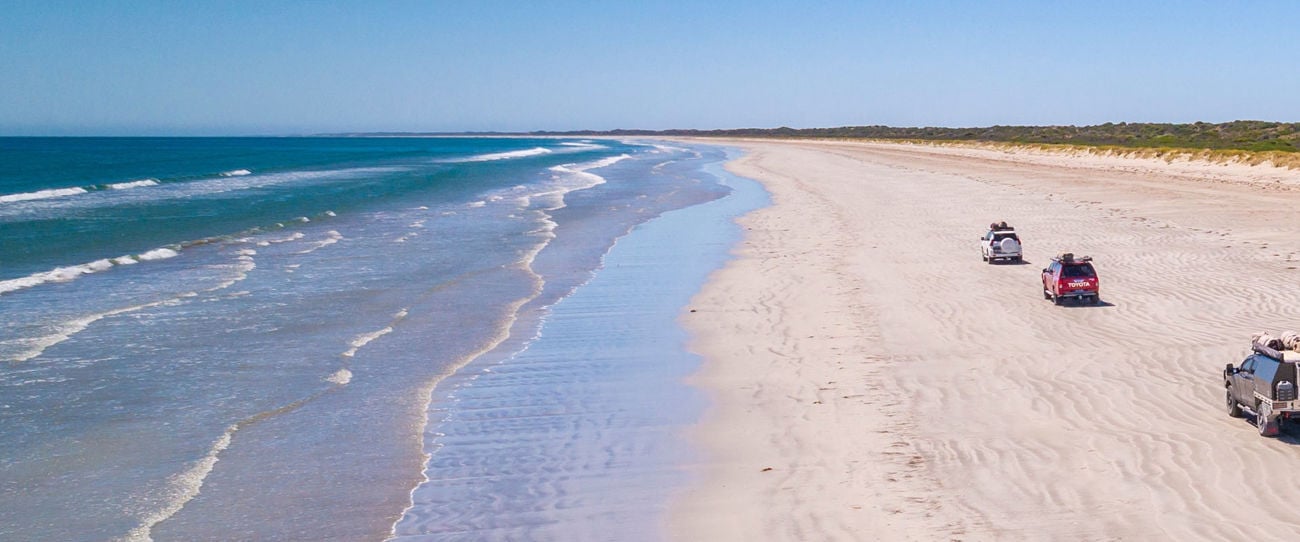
column 984, row 257
column 1265, row 421
column 1056, row 299
column 1234, row 409
column 1046, row 294
column 989, row 259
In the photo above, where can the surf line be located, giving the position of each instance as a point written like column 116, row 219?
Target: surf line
column 504, row 330
column 343, row 376
column 186, row 484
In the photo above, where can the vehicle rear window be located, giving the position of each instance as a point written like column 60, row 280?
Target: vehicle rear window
column 1266, row 369
column 1083, row 271
column 1001, row 236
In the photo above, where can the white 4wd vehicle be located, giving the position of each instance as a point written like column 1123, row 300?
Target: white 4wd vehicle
column 1000, row 243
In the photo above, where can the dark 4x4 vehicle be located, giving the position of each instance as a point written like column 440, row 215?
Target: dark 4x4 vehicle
column 1264, row 385
column 1070, row 277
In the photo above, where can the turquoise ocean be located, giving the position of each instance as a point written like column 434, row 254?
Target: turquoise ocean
column 351, row 338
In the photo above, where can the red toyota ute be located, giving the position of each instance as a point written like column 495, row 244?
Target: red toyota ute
column 1071, row 277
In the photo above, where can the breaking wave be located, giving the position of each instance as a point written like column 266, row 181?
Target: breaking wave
column 183, row 487
column 331, row 237
column 583, row 145
column 72, row 272
column 42, row 194
column 133, row 184
column 536, row 151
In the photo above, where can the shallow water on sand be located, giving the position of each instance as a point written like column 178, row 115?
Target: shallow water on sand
column 579, row 436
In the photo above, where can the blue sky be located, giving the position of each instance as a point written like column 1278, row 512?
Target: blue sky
column 275, row 67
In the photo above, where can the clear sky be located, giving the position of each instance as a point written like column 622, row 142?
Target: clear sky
column 278, row 67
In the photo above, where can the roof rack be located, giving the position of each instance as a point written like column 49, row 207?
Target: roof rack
column 1069, row 257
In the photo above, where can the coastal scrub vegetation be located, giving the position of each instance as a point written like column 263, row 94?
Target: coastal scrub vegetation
column 1242, row 135
column 1243, row 141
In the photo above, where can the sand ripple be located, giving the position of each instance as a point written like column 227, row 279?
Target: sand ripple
column 894, row 383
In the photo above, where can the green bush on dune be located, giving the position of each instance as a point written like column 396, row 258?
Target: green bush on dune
column 1241, row 135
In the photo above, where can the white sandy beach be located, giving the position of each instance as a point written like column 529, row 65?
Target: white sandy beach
column 873, row 379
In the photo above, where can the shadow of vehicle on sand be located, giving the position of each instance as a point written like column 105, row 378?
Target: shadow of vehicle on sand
column 1012, row 262
column 1288, row 432
column 1077, row 304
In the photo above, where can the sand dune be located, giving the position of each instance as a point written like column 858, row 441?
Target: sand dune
column 874, row 379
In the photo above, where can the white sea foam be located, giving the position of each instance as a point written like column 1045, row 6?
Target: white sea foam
column 569, row 177
column 58, row 274
column 243, row 265
column 72, row 272
column 581, row 173
column 158, row 254
column 340, row 377
column 476, row 204
column 42, row 194
column 292, row 237
column 330, row 213
column 134, row 184
column 583, row 145
column 604, row 162
column 666, row 148
column 236, row 173
column 37, row 345
column 331, row 237
column 65, row 330
column 182, row 488
column 363, row 339
column 536, row 151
